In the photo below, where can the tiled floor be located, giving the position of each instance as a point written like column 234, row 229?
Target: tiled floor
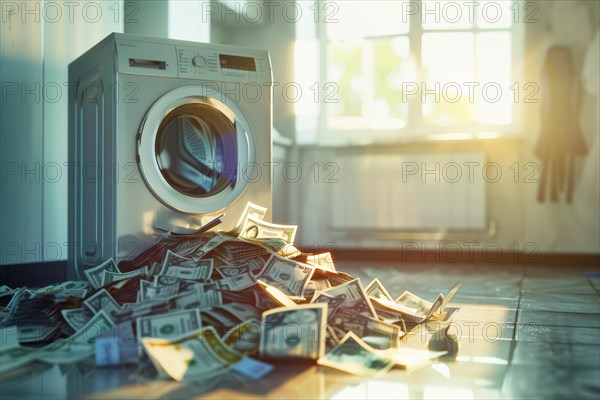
column 522, row 332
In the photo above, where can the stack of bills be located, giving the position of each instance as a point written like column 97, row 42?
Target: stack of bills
column 200, row 305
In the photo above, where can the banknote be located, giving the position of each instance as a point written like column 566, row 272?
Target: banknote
column 65, row 351
column 204, row 248
column 76, row 318
column 354, row 356
column 245, row 337
column 291, row 277
column 172, row 324
column 102, row 300
column 322, row 261
column 99, row 323
column 227, row 271
column 349, row 295
column 410, row 308
column 198, row 356
column 294, row 332
column 254, row 228
column 175, row 260
column 251, row 209
column 110, row 277
column 273, row 296
column 73, row 288
column 316, row 285
column 376, row 289
column 236, row 283
column 161, row 286
column 279, row 246
column 33, row 332
column 94, row 275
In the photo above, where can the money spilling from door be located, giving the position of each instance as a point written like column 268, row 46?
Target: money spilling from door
column 201, row 305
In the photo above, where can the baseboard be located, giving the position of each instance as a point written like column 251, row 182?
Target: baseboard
column 43, row 274
column 34, row 275
column 450, row 256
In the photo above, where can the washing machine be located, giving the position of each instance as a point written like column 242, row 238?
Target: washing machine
column 163, row 135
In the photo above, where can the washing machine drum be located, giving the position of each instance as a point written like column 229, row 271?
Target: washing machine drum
column 194, row 150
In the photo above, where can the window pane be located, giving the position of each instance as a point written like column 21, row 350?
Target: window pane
column 391, row 71
column 493, row 14
column 436, row 14
column 447, row 72
column 344, row 68
column 493, row 103
column 360, row 19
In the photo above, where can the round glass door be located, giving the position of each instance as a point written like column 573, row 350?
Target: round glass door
column 196, row 150
column 193, row 150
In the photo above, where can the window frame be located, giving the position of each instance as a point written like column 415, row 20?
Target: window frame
column 415, row 128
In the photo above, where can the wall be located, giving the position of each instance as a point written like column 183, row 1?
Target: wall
column 523, row 224
column 269, row 29
column 37, row 41
column 563, row 227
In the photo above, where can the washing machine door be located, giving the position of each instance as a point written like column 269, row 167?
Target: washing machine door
column 194, row 150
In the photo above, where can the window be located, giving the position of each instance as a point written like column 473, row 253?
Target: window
column 419, row 69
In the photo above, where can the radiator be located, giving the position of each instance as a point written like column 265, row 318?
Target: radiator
column 391, row 193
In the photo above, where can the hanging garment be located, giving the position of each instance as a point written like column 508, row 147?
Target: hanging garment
column 560, row 140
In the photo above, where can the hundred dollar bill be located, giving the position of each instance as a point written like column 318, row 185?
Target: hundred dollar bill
column 349, row 295
column 198, row 356
column 236, row 283
column 94, row 275
column 294, row 332
column 99, row 324
column 316, row 285
column 110, row 277
column 354, row 356
column 291, row 277
column 76, row 318
column 251, row 209
column 274, row 296
column 102, row 300
column 163, row 286
column 227, row 271
column 255, row 228
column 201, row 269
column 172, row 324
column 376, row 289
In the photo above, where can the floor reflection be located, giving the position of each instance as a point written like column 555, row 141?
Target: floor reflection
column 529, row 332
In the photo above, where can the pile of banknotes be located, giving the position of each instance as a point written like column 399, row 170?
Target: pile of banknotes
column 199, row 305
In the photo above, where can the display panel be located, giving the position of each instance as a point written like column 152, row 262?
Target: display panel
column 237, row 62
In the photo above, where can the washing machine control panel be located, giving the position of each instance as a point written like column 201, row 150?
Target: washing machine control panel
column 202, row 63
